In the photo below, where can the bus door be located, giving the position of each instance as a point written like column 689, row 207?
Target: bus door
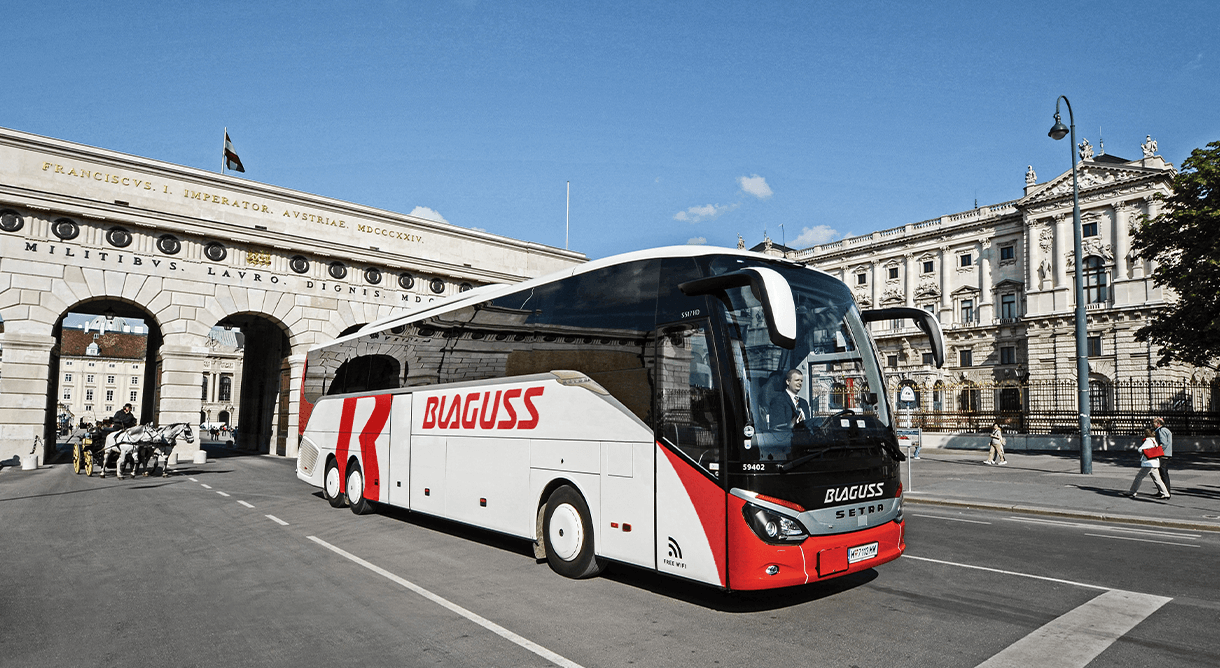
column 399, row 480
column 688, row 418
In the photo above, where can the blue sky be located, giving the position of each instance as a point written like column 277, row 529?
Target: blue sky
column 676, row 122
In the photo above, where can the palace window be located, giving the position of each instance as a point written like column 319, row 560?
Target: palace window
column 1008, row 354
column 135, row 380
column 1007, row 253
column 964, row 260
column 67, row 378
column 110, row 380
column 928, row 267
column 861, row 278
column 1008, row 307
column 226, row 389
column 965, row 358
column 1088, row 229
column 1094, row 280
column 967, row 310
column 205, row 388
column 893, row 272
column 133, row 396
column 927, row 359
column 109, row 395
column 891, row 361
column 88, row 396
column 67, row 394
column 1094, row 346
column 89, row 378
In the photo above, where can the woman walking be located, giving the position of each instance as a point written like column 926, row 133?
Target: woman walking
column 995, row 454
column 1149, row 465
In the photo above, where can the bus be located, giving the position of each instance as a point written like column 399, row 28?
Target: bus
column 712, row 414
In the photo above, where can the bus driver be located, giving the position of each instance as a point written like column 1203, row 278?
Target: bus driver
column 788, row 409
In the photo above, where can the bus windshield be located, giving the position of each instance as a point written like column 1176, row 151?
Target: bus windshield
column 825, row 398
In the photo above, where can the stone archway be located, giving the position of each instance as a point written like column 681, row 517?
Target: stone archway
column 263, row 398
column 103, row 356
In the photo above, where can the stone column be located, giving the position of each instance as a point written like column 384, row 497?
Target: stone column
column 1122, row 240
column 946, row 302
column 985, row 305
column 23, row 394
column 875, row 270
column 181, row 368
column 296, row 363
column 908, row 277
column 1154, row 209
column 1064, row 243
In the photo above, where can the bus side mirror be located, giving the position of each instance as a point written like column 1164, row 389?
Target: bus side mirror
column 923, row 320
column 769, row 287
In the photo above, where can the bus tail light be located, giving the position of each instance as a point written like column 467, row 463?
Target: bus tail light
column 898, row 495
column 773, row 528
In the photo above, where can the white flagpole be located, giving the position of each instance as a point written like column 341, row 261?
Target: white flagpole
column 222, row 150
column 567, row 216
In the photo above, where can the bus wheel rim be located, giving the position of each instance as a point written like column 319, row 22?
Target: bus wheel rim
column 566, row 532
column 355, row 485
column 332, row 482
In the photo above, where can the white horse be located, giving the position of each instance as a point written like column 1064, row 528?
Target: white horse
column 126, row 441
column 160, row 445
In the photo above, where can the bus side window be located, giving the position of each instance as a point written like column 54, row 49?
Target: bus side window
column 688, row 399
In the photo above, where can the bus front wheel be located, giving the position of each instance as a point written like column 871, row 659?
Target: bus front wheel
column 330, row 485
column 355, row 491
column 568, row 532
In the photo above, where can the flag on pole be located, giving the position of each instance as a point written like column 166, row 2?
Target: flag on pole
column 231, row 160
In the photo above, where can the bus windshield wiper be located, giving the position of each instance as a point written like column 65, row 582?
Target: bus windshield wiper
column 788, row 466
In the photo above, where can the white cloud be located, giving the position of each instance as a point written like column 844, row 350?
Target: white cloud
column 696, row 214
column 425, row 212
column 812, row 236
column 697, row 241
column 755, row 185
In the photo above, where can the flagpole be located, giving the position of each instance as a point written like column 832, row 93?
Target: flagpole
column 222, row 150
column 567, row 216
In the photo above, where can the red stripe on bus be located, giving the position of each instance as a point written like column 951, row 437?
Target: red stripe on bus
column 346, row 418
column 368, row 445
column 709, row 502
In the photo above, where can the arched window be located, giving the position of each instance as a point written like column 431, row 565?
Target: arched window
column 1099, row 396
column 1094, row 271
column 969, row 398
column 225, row 389
column 938, row 396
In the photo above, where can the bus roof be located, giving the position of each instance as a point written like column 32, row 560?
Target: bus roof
column 494, row 290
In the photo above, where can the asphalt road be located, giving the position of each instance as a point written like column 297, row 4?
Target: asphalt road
column 237, row 563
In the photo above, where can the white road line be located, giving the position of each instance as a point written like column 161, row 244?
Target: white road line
column 1103, row 527
column 1142, row 540
column 1077, row 637
column 205, row 486
column 485, row 623
column 996, row 570
column 245, row 504
column 192, row 480
column 222, row 493
column 951, row 519
column 277, row 520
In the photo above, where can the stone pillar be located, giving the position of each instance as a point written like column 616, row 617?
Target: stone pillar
column 986, row 308
column 908, row 277
column 875, row 270
column 1154, row 209
column 1064, row 246
column 179, row 398
column 1032, row 258
column 946, row 302
column 296, row 363
column 23, row 393
column 1121, row 234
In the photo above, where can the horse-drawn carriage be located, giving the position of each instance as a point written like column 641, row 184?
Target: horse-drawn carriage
column 142, row 443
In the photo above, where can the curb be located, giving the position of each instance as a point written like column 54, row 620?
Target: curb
column 1077, row 514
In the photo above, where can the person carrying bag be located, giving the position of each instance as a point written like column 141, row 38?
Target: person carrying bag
column 1150, row 462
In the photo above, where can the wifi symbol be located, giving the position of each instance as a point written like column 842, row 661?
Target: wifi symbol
column 675, row 550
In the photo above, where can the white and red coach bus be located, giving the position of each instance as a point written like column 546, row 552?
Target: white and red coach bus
column 637, row 409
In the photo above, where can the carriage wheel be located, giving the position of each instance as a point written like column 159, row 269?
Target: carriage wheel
column 76, row 458
column 88, row 463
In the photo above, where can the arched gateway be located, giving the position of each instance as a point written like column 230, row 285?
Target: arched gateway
column 92, row 230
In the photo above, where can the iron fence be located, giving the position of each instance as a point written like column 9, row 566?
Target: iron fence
column 1122, row 408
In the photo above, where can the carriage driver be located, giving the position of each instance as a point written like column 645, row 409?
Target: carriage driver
column 123, row 418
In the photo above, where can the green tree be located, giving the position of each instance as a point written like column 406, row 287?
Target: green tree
column 1185, row 241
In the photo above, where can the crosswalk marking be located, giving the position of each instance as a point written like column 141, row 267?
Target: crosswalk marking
column 1077, row 637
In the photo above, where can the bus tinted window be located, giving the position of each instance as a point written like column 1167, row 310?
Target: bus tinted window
column 366, row 374
column 688, row 399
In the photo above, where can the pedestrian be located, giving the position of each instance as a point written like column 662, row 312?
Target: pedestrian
column 995, row 454
column 1164, row 438
column 1149, row 465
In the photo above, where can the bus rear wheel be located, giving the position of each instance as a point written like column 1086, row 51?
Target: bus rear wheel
column 330, row 485
column 355, row 491
column 568, row 532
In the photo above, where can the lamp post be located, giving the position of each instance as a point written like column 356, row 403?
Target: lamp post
column 1058, row 131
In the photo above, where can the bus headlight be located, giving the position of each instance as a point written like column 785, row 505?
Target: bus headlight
column 773, row 528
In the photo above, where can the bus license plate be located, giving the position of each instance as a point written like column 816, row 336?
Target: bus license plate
column 861, row 553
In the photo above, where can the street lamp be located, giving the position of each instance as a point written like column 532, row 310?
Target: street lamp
column 1059, row 131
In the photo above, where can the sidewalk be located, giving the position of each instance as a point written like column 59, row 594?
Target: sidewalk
column 1050, row 483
